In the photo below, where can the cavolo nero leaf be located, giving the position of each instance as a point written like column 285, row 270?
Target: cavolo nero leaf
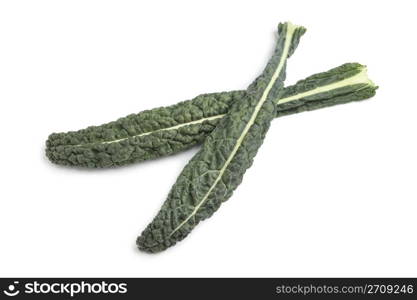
column 218, row 168
column 167, row 130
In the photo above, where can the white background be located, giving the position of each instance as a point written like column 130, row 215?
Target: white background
column 331, row 192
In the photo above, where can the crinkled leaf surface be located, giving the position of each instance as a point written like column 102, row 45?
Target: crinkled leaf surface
column 218, row 168
column 167, row 130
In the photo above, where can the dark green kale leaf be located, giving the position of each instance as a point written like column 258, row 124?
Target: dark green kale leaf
column 168, row 130
column 218, row 168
